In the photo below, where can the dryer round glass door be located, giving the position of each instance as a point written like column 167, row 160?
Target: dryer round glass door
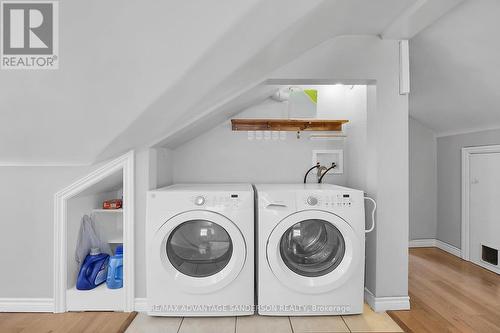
column 201, row 251
column 312, row 247
column 199, row 248
column 313, row 251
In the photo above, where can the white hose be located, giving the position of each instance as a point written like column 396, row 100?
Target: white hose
column 373, row 214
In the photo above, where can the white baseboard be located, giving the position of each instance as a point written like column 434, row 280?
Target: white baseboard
column 449, row 248
column 423, row 243
column 436, row 243
column 381, row 304
column 141, row 305
column 47, row 305
column 26, row 305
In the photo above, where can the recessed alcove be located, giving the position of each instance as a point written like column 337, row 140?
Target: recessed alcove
column 114, row 227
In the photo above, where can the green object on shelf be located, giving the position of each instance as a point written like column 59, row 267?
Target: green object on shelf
column 313, row 95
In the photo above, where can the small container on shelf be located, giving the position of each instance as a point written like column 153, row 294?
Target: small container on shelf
column 112, row 204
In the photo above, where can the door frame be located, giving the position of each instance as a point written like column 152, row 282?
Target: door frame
column 467, row 153
column 126, row 164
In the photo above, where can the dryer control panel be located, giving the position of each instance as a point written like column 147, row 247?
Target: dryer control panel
column 216, row 201
column 335, row 200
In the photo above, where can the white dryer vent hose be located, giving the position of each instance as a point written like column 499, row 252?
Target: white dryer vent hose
column 373, row 214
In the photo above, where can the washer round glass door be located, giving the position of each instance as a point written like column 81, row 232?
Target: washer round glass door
column 313, row 251
column 202, row 251
column 199, row 248
column 313, row 247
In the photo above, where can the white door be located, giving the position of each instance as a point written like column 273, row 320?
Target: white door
column 484, row 219
column 313, row 251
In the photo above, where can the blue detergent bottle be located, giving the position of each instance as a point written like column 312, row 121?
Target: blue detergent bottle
column 115, row 269
column 93, row 271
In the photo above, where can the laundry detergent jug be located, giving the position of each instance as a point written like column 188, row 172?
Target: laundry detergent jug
column 94, row 270
column 115, row 269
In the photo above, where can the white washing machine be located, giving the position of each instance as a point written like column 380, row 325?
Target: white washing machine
column 200, row 250
column 311, row 249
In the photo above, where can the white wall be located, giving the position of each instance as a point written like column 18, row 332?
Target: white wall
column 222, row 155
column 153, row 169
column 354, row 107
column 423, row 182
column 27, row 219
column 164, row 164
column 348, row 102
column 449, row 180
column 369, row 58
column 455, row 69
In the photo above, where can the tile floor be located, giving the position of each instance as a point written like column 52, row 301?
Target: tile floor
column 369, row 321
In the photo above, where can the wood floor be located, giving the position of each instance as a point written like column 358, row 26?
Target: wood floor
column 448, row 294
column 71, row 322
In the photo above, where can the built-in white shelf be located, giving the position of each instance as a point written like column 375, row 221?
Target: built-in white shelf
column 119, row 211
column 98, row 299
column 115, row 240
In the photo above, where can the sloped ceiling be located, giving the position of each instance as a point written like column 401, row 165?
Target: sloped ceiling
column 283, row 32
column 455, row 66
column 134, row 73
column 116, row 57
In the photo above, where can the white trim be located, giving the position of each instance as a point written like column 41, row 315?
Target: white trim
column 125, row 163
column 129, row 229
column 26, row 304
column 431, row 242
column 464, row 241
column 448, row 248
column 404, row 67
column 43, row 164
column 422, row 243
column 468, row 131
column 141, row 305
column 467, row 152
column 381, row 304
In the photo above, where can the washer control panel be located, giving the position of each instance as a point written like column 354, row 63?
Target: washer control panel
column 312, row 200
column 328, row 201
column 216, row 201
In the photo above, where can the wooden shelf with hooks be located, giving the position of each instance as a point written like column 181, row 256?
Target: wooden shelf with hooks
column 296, row 125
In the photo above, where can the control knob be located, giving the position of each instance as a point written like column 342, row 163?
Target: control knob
column 199, row 200
column 312, row 201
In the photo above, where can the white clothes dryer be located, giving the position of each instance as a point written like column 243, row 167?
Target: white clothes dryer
column 310, row 249
column 200, row 250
